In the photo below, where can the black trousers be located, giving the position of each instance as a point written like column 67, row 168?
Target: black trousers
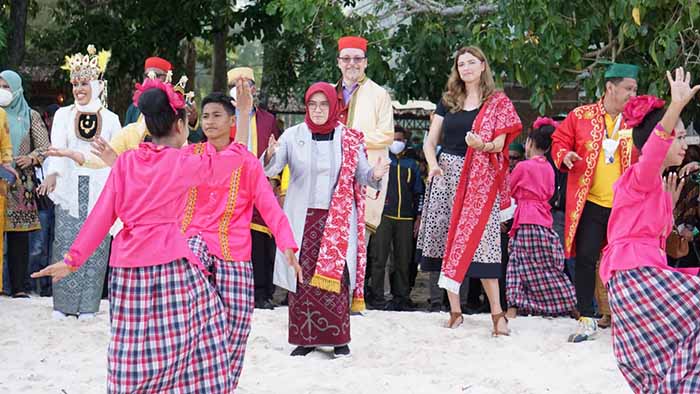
column 17, row 259
column 263, row 259
column 590, row 236
column 397, row 235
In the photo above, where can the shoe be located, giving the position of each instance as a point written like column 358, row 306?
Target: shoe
column 605, row 322
column 45, row 293
column 58, row 315
column 475, row 309
column 435, row 307
column 302, row 351
column 341, row 351
column 586, row 331
column 21, row 294
column 398, row 306
column 86, row 316
column 456, row 320
column 264, row 304
column 378, row 304
column 495, row 318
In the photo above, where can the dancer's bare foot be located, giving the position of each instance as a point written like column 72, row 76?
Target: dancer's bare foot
column 512, row 313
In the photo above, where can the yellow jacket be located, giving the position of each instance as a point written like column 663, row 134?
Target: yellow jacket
column 5, row 142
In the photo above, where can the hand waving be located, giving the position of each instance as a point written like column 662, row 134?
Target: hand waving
column 681, row 92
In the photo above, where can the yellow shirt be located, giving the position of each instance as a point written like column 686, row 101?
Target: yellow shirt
column 284, row 183
column 605, row 175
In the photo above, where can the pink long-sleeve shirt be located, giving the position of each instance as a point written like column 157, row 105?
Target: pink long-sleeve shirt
column 532, row 185
column 146, row 189
column 221, row 209
column 642, row 214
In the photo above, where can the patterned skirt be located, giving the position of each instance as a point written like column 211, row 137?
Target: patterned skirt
column 234, row 283
column 486, row 263
column 81, row 291
column 317, row 317
column 168, row 331
column 21, row 212
column 535, row 280
column 437, row 211
column 656, row 329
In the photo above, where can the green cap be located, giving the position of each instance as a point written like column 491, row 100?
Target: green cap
column 618, row 70
column 516, row 147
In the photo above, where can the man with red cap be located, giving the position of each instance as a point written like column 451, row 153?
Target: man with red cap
column 365, row 106
column 160, row 67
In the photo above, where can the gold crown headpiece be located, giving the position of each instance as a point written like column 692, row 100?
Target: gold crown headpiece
column 87, row 67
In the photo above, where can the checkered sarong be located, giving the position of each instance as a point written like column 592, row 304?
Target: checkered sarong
column 535, row 280
column 234, row 282
column 168, row 331
column 656, row 329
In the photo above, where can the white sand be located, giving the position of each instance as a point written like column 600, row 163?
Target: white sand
column 392, row 353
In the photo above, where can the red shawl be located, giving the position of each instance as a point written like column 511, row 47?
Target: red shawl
column 334, row 243
column 483, row 175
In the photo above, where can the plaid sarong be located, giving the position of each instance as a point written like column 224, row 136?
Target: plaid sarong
column 535, row 280
column 168, row 331
column 234, row 282
column 656, row 326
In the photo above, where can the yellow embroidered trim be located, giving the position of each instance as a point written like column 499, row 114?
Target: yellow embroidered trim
column 192, row 197
column 662, row 134
column 260, row 228
column 358, row 305
column 325, row 283
column 228, row 214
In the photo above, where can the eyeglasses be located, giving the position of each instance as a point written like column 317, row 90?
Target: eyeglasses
column 347, row 59
column 470, row 63
column 313, row 106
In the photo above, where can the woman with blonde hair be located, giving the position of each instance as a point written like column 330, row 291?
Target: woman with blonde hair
column 477, row 123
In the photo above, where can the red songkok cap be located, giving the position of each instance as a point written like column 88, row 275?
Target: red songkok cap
column 352, row 42
column 157, row 62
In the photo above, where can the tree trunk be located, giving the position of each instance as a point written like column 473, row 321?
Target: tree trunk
column 18, row 27
column 219, row 83
column 190, row 64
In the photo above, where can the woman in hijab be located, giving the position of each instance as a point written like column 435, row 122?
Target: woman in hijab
column 29, row 139
column 75, row 188
column 325, row 206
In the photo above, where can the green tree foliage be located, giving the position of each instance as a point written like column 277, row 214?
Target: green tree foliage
column 539, row 44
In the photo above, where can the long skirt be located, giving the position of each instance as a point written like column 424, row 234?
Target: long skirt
column 535, row 280
column 486, row 263
column 233, row 281
column 437, row 211
column 656, row 329
column 168, row 331
column 317, row 317
column 81, row 291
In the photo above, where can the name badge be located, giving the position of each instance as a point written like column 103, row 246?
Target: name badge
column 609, row 148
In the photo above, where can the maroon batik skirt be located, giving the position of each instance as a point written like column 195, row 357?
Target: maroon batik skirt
column 317, row 317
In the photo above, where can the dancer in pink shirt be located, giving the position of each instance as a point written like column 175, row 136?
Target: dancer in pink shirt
column 168, row 324
column 217, row 221
column 536, row 283
column 655, row 308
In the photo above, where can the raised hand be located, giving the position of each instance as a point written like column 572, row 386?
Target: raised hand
column 244, row 99
column 292, row 261
column 571, row 158
column 272, row 147
column 381, row 168
column 57, row 271
column 681, row 92
column 104, row 151
column 673, row 186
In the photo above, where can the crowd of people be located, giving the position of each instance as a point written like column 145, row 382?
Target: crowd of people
column 193, row 216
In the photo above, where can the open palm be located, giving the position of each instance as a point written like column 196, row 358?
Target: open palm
column 680, row 86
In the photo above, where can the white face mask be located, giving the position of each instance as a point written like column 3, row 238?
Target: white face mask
column 397, row 147
column 5, row 97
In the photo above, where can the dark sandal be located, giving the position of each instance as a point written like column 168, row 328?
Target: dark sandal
column 495, row 318
column 456, row 320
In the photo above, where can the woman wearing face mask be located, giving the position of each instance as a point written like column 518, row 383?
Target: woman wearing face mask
column 325, row 207
column 29, row 138
column 75, row 189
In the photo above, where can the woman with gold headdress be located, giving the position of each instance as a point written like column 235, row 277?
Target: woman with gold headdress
column 75, row 188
